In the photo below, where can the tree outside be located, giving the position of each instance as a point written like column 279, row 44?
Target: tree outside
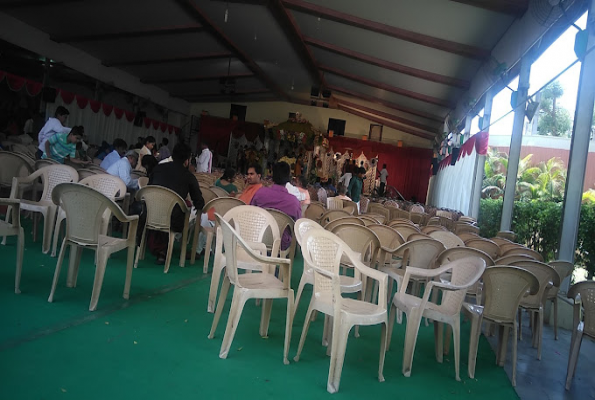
column 554, row 120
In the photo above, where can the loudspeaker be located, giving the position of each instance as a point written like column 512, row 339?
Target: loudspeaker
column 326, row 93
column 315, row 91
column 434, row 166
column 454, row 155
column 139, row 118
column 49, row 94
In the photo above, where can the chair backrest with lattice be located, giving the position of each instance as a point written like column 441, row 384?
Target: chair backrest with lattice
column 334, row 204
column 418, row 218
column 463, row 227
column 586, row 290
column 208, row 194
column 504, row 287
column 448, row 239
column 377, row 208
column 465, row 273
column 84, row 208
column 12, row 165
column 302, row 226
column 343, row 220
column 512, row 260
column 525, row 251
column 457, row 253
column 431, row 228
column 332, row 215
column 252, row 223
column 323, row 251
column 46, row 162
column 54, row 175
column 160, row 202
column 420, row 253
column 398, row 221
column 110, row 186
column 219, row 191
column 545, row 274
column 367, row 220
column 406, row 230
column 359, row 239
column 484, row 245
column 84, row 173
column 142, row 182
column 467, row 236
column 350, row 207
column 563, row 268
column 284, row 222
column 387, row 236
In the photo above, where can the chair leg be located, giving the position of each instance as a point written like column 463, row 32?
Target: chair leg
column 140, row 249
column 207, row 251
column 195, row 240
column 98, row 282
column 49, row 219
column 503, row 340
column 476, row 322
column 514, row 354
column 456, row 338
column 265, row 317
column 439, row 340
column 447, row 340
column 573, row 357
column 288, row 326
column 299, row 294
column 218, row 270
column 237, row 306
column 383, row 340
column 73, row 264
column 520, row 323
column 555, row 304
column 220, row 304
column 57, row 229
column 129, row 267
column 413, row 321
column 170, row 250
column 20, row 249
column 57, row 272
column 184, row 245
column 391, row 323
column 540, row 333
column 304, row 332
column 340, row 336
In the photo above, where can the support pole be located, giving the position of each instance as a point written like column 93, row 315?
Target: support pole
column 467, row 129
column 579, row 149
column 516, row 141
column 480, row 160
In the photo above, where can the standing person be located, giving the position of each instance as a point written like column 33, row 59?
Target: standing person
column 51, row 127
column 277, row 197
column 174, row 176
column 253, row 179
column 205, row 160
column 164, row 150
column 123, row 167
column 354, row 191
column 146, row 150
column 62, row 146
column 383, row 176
column 117, row 153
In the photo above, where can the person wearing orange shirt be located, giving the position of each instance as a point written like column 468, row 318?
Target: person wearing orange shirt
column 253, row 179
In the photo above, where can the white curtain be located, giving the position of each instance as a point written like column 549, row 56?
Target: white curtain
column 453, row 184
column 98, row 127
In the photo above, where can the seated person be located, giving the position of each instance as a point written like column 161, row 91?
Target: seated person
column 225, row 182
column 175, row 176
column 253, row 183
column 117, row 153
column 277, row 197
column 123, row 167
column 342, row 190
column 149, row 163
column 62, row 146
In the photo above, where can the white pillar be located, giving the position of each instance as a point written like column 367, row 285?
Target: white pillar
column 516, row 141
column 480, row 160
column 579, row 148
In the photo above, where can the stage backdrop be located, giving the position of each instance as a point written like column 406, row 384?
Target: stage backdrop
column 408, row 167
column 216, row 132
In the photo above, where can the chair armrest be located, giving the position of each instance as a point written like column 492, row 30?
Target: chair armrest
column 119, row 214
column 10, row 202
column 426, row 273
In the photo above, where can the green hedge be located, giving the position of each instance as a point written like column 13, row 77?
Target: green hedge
column 537, row 224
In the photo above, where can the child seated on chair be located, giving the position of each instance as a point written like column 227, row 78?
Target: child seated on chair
column 62, row 146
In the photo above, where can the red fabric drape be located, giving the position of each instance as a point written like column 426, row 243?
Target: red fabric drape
column 107, row 109
column 479, row 142
column 82, row 101
column 118, row 112
column 163, row 126
column 407, row 166
column 67, row 97
column 33, row 88
column 95, row 106
column 215, row 132
column 15, row 83
column 129, row 115
column 155, row 124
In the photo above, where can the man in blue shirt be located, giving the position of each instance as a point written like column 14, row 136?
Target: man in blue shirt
column 123, row 167
column 120, row 147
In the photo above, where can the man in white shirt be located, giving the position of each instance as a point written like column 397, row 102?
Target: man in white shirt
column 120, row 147
column 51, row 127
column 205, row 160
column 123, row 167
column 383, row 176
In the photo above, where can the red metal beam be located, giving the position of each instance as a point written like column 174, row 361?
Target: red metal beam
column 171, row 60
column 388, row 104
column 389, row 88
column 201, row 17
column 289, row 25
column 176, row 30
column 396, row 118
column 398, row 127
column 418, row 73
column 196, row 78
column 515, row 8
column 398, row 33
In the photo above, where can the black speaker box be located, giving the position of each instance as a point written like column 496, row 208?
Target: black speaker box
column 434, row 166
column 454, row 155
column 49, row 94
column 139, row 118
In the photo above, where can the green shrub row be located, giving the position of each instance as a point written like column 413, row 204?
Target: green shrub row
column 537, row 224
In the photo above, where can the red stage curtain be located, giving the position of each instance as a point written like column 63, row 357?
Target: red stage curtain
column 407, row 166
column 118, row 112
column 216, row 131
column 107, row 109
column 67, row 97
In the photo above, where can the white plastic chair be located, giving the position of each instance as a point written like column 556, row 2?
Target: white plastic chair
column 448, row 239
column 160, row 202
column 333, row 203
column 465, row 272
column 85, row 208
column 219, row 191
column 302, row 226
column 51, row 176
column 259, row 285
column 110, row 186
column 323, row 251
column 284, row 222
column 564, row 269
column 253, row 223
column 582, row 294
column 504, row 287
column 14, row 229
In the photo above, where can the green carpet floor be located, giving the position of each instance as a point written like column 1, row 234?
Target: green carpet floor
column 155, row 346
